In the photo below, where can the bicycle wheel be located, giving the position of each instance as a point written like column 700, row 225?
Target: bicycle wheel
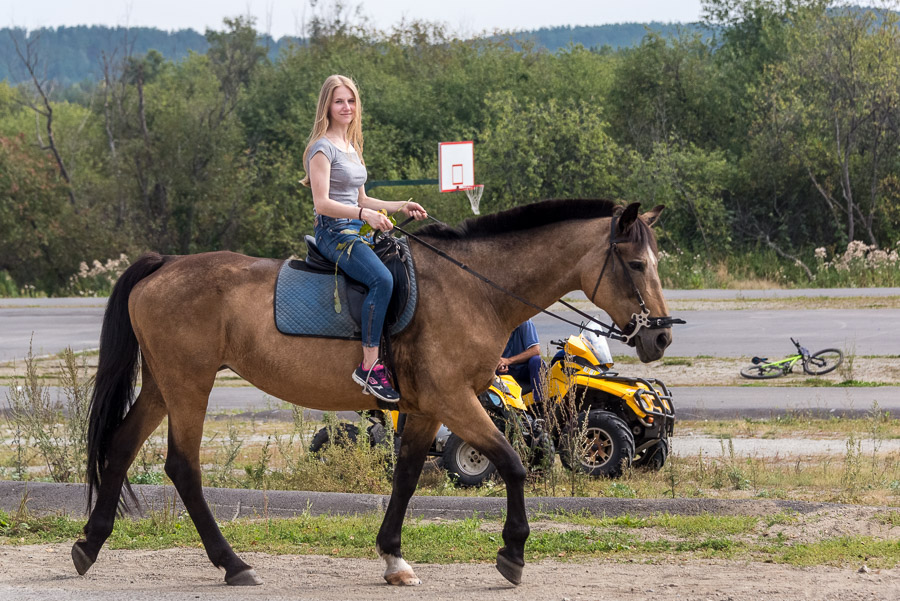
column 762, row 371
column 823, row 362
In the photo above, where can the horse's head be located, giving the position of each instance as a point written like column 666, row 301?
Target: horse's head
column 623, row 281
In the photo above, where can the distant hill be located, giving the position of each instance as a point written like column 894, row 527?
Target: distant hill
column 617, row 35
column 74, row 54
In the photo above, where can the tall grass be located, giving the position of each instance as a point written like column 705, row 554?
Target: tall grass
column 44, row 439
column 858, row 266
column 51, row 431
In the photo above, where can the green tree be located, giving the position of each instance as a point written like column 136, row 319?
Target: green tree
column 836, row 103
column 691, row 183
column 38, row 225
column 749, row 37
column 556, row 149
column 665, row 88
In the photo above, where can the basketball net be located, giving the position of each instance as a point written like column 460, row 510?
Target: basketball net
column 474, row 194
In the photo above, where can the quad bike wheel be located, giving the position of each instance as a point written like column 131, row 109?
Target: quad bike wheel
column 653, row 458
column 465, row 465
column 346, row 434
column 601, row 443
column 543, row 452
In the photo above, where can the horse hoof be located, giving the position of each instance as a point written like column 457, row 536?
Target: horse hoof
column 247, row 577
column 81, row 560
column 404, row 578
column 397, row 572
column 511, row 570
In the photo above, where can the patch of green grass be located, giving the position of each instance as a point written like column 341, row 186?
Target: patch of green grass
column 889, row 518
column 674, row 361
column 477, row 539
column 620, row 491
column 681, row 525
column 706, row 524
column 842, row 550
column 627, row 359
column 785, row 517
column 819, row 383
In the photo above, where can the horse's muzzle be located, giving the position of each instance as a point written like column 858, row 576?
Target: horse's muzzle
column 651, row 344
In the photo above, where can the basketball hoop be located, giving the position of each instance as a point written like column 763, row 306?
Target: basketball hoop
column 474, row 194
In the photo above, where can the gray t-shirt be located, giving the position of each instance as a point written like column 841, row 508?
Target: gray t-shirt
column 347, row 171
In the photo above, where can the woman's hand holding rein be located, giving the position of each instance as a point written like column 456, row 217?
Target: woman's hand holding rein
column 414, row 210
column 376, row 219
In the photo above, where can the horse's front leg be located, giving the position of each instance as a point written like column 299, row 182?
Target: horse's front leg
column 418, row 435
column 472, row 424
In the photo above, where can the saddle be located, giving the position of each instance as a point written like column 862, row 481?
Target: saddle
column 313, row 299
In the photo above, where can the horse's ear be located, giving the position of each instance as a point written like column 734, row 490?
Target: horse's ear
column 627, row 218
column 652, row 216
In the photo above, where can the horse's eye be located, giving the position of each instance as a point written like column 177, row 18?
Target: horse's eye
column 637, row 265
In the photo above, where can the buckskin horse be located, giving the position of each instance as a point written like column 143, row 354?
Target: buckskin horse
column 181, row 319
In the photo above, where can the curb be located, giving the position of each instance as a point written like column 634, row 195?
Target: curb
column 46, row 498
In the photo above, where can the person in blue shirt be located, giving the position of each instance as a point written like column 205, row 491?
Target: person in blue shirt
column 522, row 358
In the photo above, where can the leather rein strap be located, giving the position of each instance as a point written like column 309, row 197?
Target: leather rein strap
column 638, row 321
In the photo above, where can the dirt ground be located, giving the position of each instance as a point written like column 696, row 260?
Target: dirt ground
column 45, row 572
column 33, row 572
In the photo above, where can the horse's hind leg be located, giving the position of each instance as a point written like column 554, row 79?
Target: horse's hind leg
column 187, row 410
column 142, row 419
column 418, row 434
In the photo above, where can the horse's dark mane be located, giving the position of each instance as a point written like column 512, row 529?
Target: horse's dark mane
column 535, row 215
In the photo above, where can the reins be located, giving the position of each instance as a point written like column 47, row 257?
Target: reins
column 638, row 321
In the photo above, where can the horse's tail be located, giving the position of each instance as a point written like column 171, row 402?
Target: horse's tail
column 116, row 370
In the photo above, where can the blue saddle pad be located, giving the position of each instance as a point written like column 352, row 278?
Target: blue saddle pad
column 304, row 304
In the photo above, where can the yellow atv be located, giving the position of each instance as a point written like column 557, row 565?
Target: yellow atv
column 465, row 465
column 608, row 422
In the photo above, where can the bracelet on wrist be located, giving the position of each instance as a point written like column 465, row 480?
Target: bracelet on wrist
column 360, row 213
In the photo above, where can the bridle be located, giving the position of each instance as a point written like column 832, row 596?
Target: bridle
column 638, row 321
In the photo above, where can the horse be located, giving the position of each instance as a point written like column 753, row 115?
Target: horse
column 182, row 319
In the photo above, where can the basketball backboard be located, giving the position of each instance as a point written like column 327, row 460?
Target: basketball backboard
column 456, row 164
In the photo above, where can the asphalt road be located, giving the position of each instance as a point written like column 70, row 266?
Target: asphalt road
column 747, row 333
column 53, row 324
column 48, row 329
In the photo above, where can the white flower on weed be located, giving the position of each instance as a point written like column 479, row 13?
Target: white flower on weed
column 821, row 253
column 860, row 255
column 99, row 278
column 876, row 258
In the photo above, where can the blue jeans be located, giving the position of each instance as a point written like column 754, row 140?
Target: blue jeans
column 361, row 264
column 529, row 374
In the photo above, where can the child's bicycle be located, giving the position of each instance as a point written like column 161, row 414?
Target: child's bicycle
column 815, row 364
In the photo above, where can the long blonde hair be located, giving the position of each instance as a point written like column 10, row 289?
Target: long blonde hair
column 320, row 125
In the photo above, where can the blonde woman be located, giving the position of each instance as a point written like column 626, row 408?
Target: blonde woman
column 336, row 173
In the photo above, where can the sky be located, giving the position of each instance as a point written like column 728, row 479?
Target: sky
column 286, row 17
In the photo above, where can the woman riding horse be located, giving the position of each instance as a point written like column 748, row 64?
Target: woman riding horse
column 337, row 175
column 187, row 317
